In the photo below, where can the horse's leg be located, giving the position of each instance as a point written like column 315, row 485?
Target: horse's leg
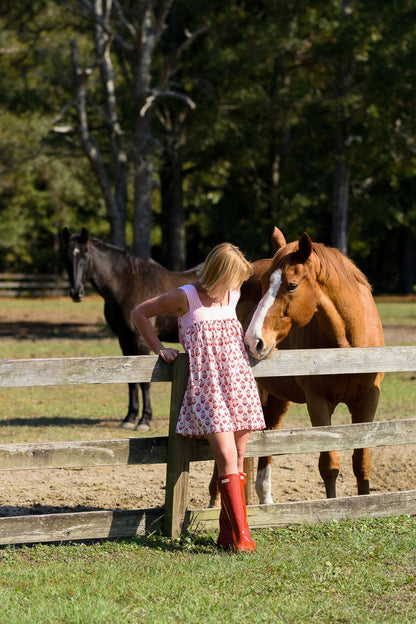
column 361, row 465
column 274, row 411
column 320, row 412
column 145, row 420
column 132, row 345
column 363, row 410
column 129, row 421
column 329, row 471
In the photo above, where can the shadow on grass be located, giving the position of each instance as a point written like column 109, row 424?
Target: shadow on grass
column 42, row 330
column 54, row 421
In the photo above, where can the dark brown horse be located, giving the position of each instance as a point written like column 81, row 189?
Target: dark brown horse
column 123, row 281
column 312, row 297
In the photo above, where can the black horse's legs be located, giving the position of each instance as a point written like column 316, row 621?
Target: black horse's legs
column 144, row 422
column 130, row 420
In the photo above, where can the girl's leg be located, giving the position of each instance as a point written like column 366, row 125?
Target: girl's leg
column 229, row 448
column 224, row 448
column 241, row 439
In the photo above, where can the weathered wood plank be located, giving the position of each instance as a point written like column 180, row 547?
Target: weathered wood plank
column 336, row 361
column 78, row 526
column 115, row 524
column 121, row 369
column 82, row 454
column 312, row 512
column 332, row 438
column 317, row 439
column 69, row 371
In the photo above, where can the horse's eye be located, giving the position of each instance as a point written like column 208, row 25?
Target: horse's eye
column 292, row 286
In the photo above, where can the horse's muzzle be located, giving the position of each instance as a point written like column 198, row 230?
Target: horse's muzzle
column 258, row 351
column 77, row 294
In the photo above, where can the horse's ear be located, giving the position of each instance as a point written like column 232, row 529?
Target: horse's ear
column 305, row 247
column 278, row 239
column 84, row 235
column 65, row 235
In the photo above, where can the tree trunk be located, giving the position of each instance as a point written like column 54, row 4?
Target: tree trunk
column 143, row 189
column 102, row 49
column 143, row 143
column 173, row 214
column 342, row 170
column 92, row 150
column 407, row 253
column 339, row 236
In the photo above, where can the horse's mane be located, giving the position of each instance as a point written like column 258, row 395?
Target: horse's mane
column 329, row 263
column 333, row 261
column 135, row 263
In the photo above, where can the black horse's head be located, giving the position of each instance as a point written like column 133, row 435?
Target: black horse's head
column 77, row 261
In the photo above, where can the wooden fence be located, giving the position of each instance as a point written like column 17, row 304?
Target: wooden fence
column 27, row 285
column 178, row 452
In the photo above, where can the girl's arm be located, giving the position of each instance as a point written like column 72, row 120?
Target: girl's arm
column 173, row 301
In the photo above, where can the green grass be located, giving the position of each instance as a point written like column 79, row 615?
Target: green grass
column 337, row 572
column 348, row 572
column 397, row 313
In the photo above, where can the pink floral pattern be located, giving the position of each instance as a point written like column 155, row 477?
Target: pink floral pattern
column 221, row 394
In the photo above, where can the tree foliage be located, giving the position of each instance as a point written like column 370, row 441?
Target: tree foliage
column 250, row 114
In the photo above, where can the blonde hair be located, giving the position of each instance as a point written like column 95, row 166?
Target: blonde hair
column 225, row 264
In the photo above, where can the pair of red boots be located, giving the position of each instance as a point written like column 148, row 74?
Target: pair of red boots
column 234, row 530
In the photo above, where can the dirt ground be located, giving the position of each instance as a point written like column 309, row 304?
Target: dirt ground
column 294, row 477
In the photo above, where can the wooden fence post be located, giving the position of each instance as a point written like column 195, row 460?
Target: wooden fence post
column 177, row 467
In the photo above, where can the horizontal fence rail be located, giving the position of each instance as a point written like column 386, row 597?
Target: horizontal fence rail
column 137, row 451
column 143, row 368
column 178, row 452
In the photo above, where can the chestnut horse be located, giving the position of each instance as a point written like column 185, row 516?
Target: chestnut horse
column 124, row 281
column 312, row 296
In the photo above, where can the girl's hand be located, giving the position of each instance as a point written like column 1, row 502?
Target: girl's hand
column 169, row 354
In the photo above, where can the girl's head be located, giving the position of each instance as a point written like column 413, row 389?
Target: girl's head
column 225, row 265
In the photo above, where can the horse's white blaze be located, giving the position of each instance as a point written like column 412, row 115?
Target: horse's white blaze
column 264, row 485
column 75, row 252
column 254, row 332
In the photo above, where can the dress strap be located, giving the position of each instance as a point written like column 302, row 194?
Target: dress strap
column 192, row 296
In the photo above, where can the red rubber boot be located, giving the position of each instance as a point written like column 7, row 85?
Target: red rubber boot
column 226, row 537
column 243, row 478
column 232, row 497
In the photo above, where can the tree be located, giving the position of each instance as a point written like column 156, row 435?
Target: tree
column 134, row 30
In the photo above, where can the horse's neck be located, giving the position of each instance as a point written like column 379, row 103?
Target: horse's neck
column 334, row 320
column 106, row 266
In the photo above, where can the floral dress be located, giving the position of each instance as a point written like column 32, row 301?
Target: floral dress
column 221, row 394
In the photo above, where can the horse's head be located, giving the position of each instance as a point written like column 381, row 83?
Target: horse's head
column 77, row 261
column 289, row 296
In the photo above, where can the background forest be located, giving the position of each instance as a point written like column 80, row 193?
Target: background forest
column 167, row 126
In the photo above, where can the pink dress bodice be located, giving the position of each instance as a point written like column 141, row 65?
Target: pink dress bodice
column 198, row 313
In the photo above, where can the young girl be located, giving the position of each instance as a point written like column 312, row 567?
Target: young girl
column 221, row 402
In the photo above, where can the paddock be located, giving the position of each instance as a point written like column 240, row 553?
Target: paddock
column 178, row 453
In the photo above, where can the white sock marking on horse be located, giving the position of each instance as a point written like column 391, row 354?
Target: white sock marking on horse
column 264, row 485
column 254, row 332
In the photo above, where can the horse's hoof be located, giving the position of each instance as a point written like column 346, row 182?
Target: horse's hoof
column 126, row 424
column 143, row 427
